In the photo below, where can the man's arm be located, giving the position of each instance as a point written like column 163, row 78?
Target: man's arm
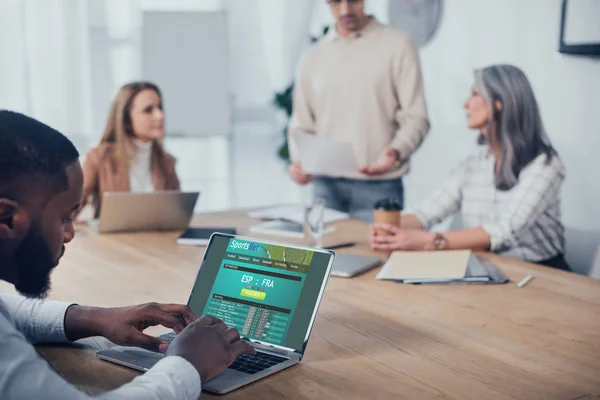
column 303, row 118
column 39, row 321
column 204, row 348
column 412, row 114
column 54, row 321
column 24, row 375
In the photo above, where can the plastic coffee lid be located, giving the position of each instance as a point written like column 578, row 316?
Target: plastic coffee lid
column 389, row 204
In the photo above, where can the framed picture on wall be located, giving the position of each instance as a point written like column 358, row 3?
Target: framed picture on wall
column 579, row 27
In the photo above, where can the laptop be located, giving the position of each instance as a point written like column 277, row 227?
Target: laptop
column 270, row 292
column 350, row 265
column 156, row 211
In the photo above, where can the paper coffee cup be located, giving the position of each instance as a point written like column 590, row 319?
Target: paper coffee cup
column 387, row 211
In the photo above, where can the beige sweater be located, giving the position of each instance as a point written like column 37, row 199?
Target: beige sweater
column 366, row 90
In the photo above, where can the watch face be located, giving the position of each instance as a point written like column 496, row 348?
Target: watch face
column 440, row 242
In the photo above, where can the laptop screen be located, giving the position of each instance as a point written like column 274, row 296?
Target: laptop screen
column 267, row 292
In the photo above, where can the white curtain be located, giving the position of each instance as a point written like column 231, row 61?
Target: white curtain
column 44, row 62
column 61, row 61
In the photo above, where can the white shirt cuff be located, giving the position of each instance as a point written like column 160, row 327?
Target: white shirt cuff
column 182, row 372
column 38, row 320
column 498, row 241
column 421, row 217
column 60, row 308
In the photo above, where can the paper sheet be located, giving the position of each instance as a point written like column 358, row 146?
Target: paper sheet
column 282, row 228
column 425, row 265
column 295, row 214
column 323, row 156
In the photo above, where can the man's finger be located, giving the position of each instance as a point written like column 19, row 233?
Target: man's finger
column 165, row 319
column 375, row 170
column 209, row 320
column 231, row 335
column 139, row 339
column 220, row 327
column 378, row 169
column 180, row 311
column 241, row 347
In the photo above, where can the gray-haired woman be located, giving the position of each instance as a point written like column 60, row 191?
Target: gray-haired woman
column 508, row 193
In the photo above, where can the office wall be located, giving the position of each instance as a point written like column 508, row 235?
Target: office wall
column 267, row 38
column 524, row 33
column 186, row 53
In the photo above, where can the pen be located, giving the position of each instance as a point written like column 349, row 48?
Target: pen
column 339, row 246
column 524, row 281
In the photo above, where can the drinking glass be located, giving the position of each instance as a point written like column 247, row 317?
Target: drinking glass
column 313, row 222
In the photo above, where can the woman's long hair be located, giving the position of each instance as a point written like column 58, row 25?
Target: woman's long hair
column 517, row 126
column 119, row 129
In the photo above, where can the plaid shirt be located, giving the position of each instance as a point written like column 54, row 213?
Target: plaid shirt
column 523, row 222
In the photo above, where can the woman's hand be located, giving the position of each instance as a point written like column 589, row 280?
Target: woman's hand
column 399, row 238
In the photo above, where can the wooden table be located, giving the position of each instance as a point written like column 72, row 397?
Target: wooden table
column 372, row 339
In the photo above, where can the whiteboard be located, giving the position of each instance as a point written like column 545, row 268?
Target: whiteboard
column 186, row 53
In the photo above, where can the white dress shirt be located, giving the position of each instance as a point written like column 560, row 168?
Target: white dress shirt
column 25, row 375
column 523, row 222
column 140, row 169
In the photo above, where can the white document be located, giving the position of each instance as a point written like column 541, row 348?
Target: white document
column 284, row 228
column 323, row 156
column 295, row 214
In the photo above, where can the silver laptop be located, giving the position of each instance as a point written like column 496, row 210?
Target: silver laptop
column 350, row 265
column 157, row 211
column 270, row 292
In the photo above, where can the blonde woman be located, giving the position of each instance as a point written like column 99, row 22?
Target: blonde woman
column 130, row 156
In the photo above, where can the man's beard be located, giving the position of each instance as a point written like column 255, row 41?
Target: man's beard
column 34, row 263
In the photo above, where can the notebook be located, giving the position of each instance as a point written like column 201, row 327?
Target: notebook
column 425, row 265
column 478, row 271
column 201, row 236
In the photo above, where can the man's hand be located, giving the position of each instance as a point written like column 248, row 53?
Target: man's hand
column 387, row 160
column 298, row 175
column 399, row 238
column 210, row 346
column 125, row 325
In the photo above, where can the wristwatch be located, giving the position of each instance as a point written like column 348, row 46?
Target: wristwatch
column 440, row 242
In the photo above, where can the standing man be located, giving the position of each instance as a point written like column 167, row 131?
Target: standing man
column 361, row 84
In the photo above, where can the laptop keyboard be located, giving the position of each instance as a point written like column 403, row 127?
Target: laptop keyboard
column 245, row 363
column 256, row 363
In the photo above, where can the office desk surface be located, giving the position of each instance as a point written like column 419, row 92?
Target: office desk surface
column 372, row 339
